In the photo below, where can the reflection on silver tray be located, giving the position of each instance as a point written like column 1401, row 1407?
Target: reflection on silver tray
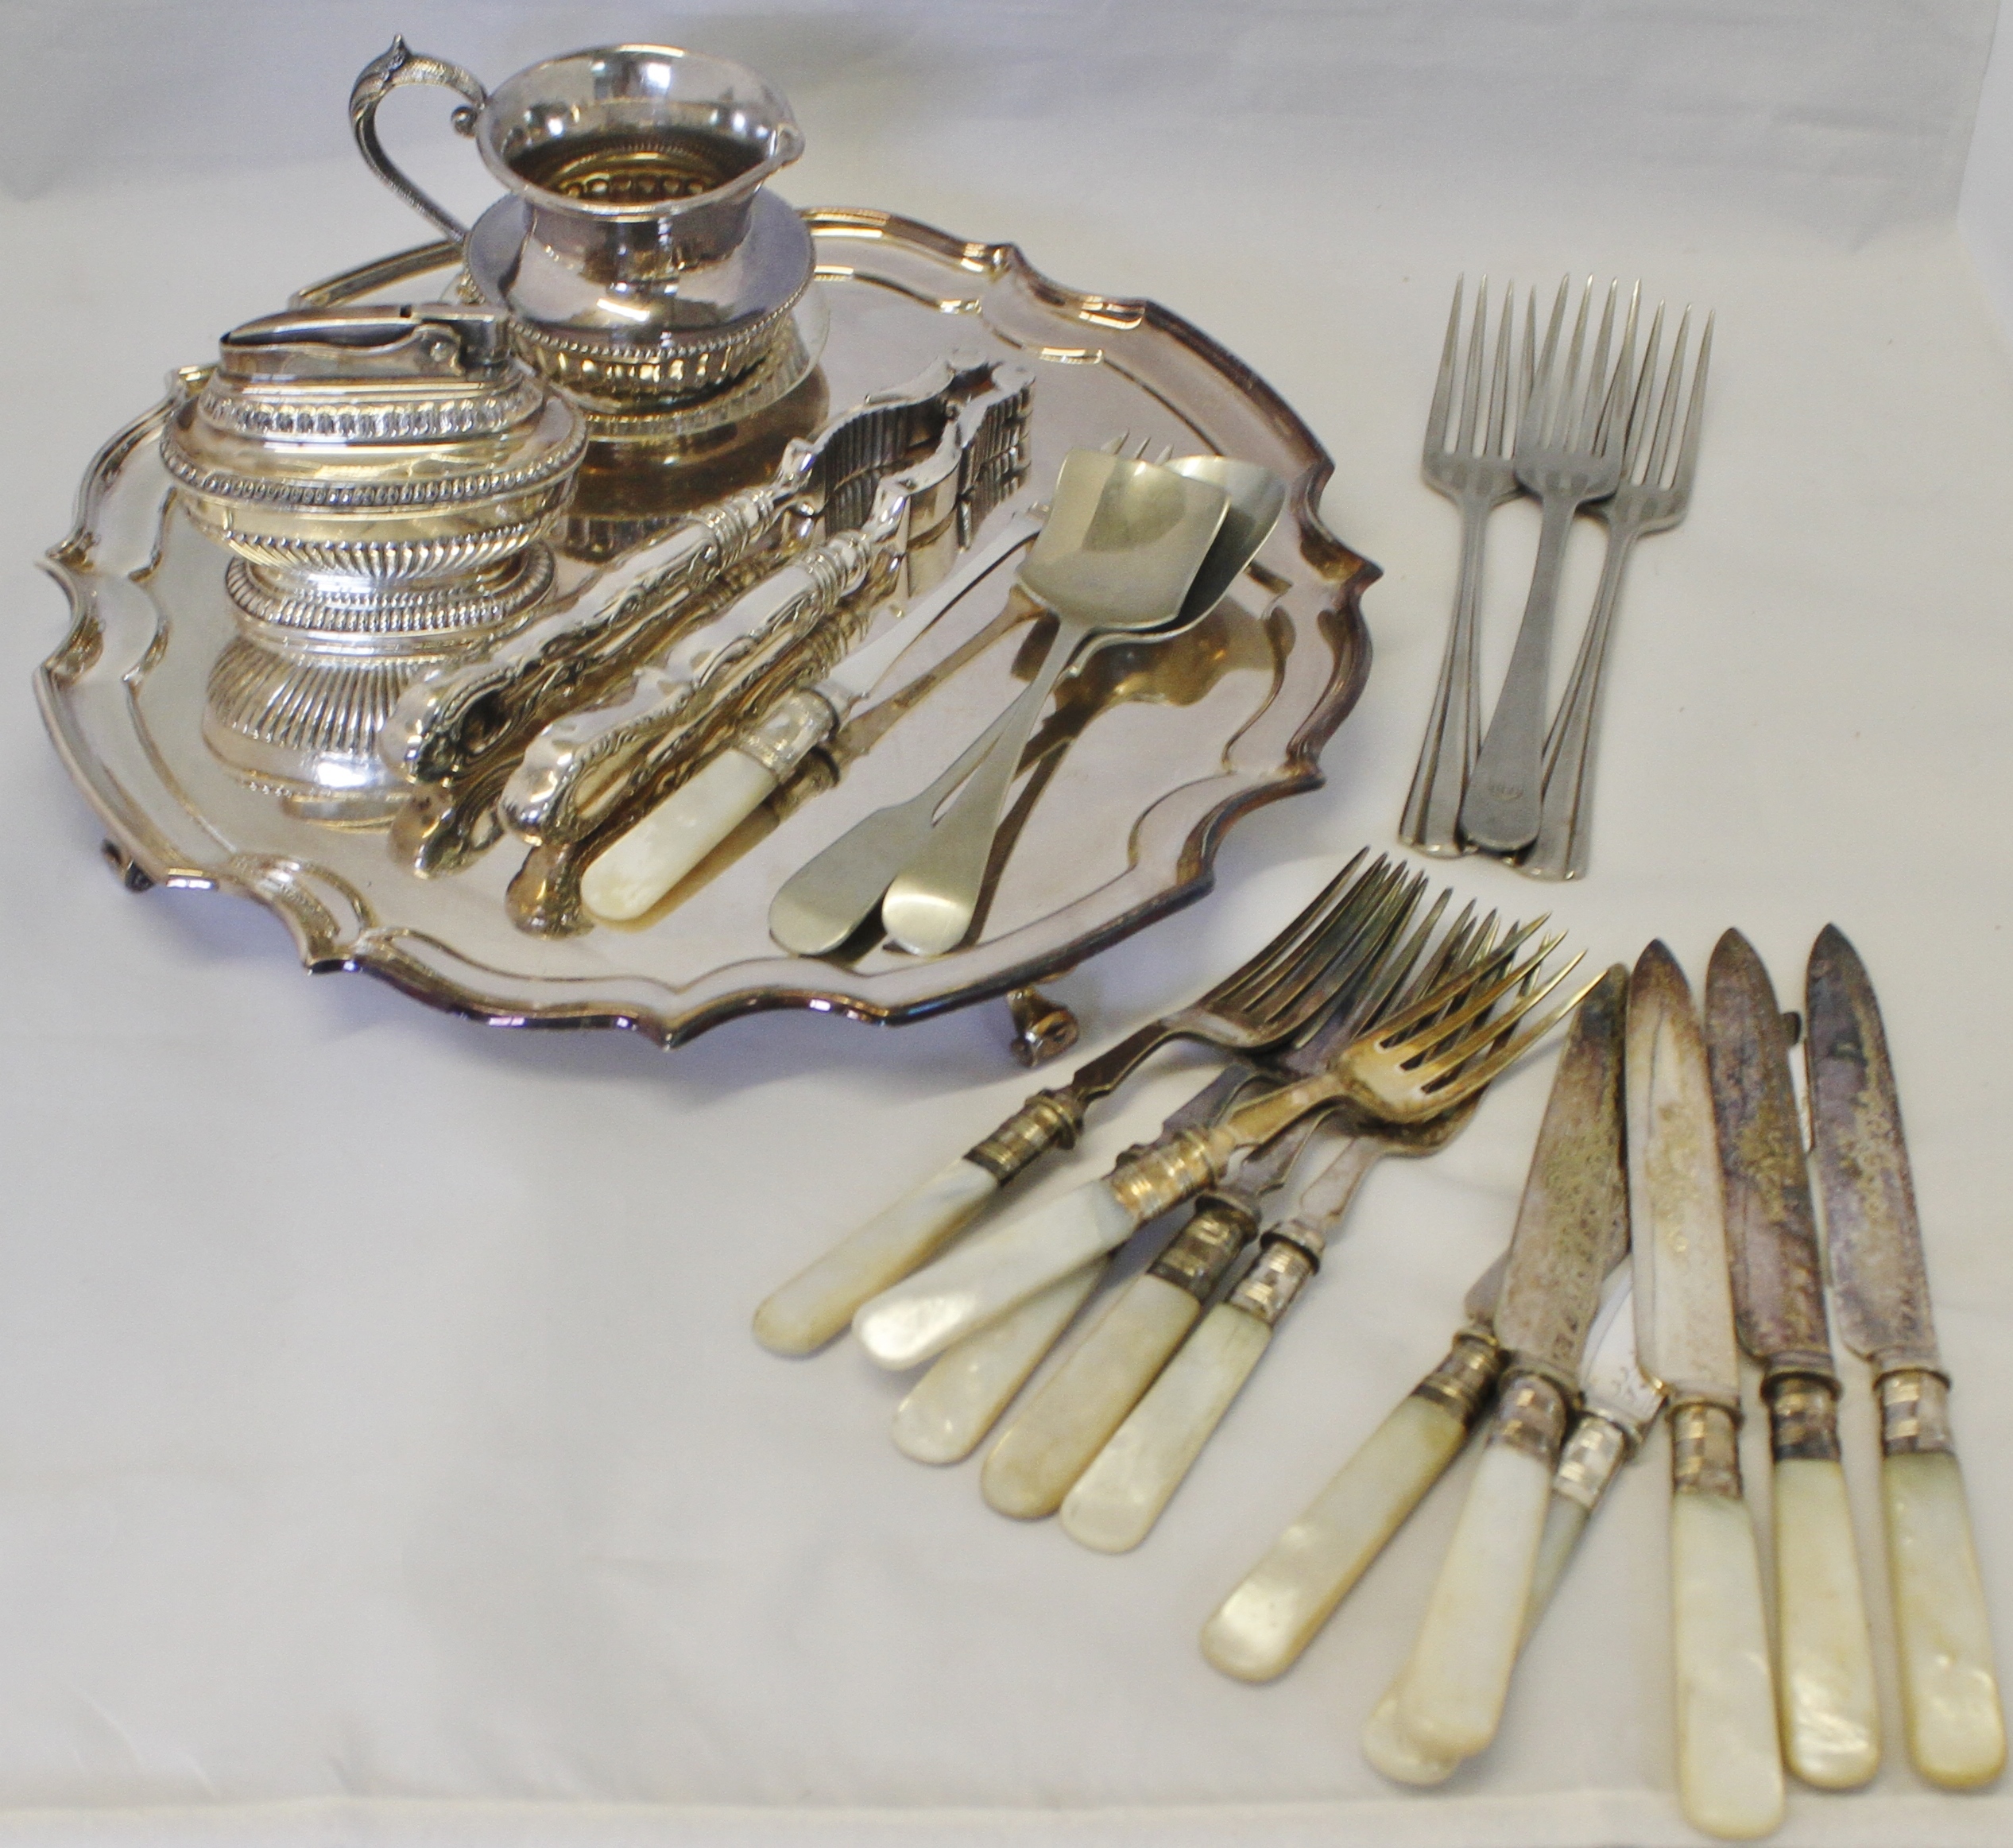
column 1141, row 764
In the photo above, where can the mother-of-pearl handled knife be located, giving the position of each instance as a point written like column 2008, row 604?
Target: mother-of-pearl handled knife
column 1572, row 1228
column 1824, row 1664
column 641, row 865
column 1729, row 1761
column 1276, row 1609
column 1949, row 1687
column 1620, row 1405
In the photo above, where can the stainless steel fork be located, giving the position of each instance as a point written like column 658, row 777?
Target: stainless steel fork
column 1654, row 491
column 1473, row 468
column 1568, row 453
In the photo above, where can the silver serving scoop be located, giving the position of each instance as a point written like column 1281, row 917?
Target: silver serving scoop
column 929, row 905
column 1122, row 544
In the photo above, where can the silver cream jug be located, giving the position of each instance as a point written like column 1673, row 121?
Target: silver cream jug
column 641, row 260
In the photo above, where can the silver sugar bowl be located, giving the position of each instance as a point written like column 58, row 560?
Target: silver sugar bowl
column 382, row 477
column 645, row 268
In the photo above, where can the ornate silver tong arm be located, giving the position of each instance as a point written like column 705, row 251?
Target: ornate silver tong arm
column 448, row 722
column 589, row 766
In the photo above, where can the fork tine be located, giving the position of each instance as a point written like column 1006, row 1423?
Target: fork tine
column 1501, row 424
column 1610, row 429
column 1564, row 385
column 1593, row 398
column 1536, row 412
column 1258, row 967
column 1468, row 1081
column 1694, row 410
column 1334, row 950
column 1453, row 989
column 1324, row 980
column 1390, row 972
column 1638, row 442
column 1435, row 1042
column 1436, row 419
column 1471, row 372
column 1666, row 413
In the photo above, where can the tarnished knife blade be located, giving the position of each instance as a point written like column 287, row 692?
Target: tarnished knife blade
column 1684, row 1306
column 1875, row 1239
column 1771, row 1229
column 1573, row 1225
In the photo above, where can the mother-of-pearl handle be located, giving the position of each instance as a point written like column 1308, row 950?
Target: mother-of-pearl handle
column 1729, row 1765
column 1066, row 1423
column 1116, row 1501
column 972, row 1381
column 820, row 1301
column 1386, row 1744
column 637, row 869
column 985, row 1276
column 1949, row 1690
column 1258, row 1631
column 1830, row 1710
column 1450, row 1692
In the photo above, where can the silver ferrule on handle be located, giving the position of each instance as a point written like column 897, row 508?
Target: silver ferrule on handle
column 1915, row 1413
column 1532, row 1413
column 1463, row 1383
column 788, row 733
column 1705, row 1448
column 1802, row 1417
column 1285, row 1266
column 1594, row 1452
column 1050, row 1119
column 1204, row 1250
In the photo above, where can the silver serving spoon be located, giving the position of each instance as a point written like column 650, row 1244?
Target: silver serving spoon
column 929, row 906
column 1122, row 545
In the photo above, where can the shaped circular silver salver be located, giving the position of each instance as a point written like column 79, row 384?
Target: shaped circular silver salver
column 1140, row 766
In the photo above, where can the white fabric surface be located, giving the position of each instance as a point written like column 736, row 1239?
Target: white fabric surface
column 383, row 1454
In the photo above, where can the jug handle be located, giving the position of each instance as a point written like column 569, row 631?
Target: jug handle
column 374, row 83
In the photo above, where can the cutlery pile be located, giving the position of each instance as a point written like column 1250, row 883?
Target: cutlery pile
column 1668, row 1223
column 1593, row 426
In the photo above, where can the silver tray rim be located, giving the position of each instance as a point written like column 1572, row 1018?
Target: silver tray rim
column 332, row 926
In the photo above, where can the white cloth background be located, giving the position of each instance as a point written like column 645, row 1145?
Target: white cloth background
column 383, row 1455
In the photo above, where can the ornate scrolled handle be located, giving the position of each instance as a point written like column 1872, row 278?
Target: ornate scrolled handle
column 374, row 83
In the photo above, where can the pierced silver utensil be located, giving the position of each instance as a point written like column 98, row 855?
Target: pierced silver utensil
column 929, row 905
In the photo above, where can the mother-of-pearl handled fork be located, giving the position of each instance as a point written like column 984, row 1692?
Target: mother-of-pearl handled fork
column 1474, row 469
column 1310, row 966
column 1113, row 1504
column 1658, row 461
column 929, row 905
column 1065, row 1424
column 1413, row 1067
column 1568, row 453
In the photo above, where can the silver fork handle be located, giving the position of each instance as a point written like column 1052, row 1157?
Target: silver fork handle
column 1432, row 816
column 1560, row 850
column 1500, row 811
